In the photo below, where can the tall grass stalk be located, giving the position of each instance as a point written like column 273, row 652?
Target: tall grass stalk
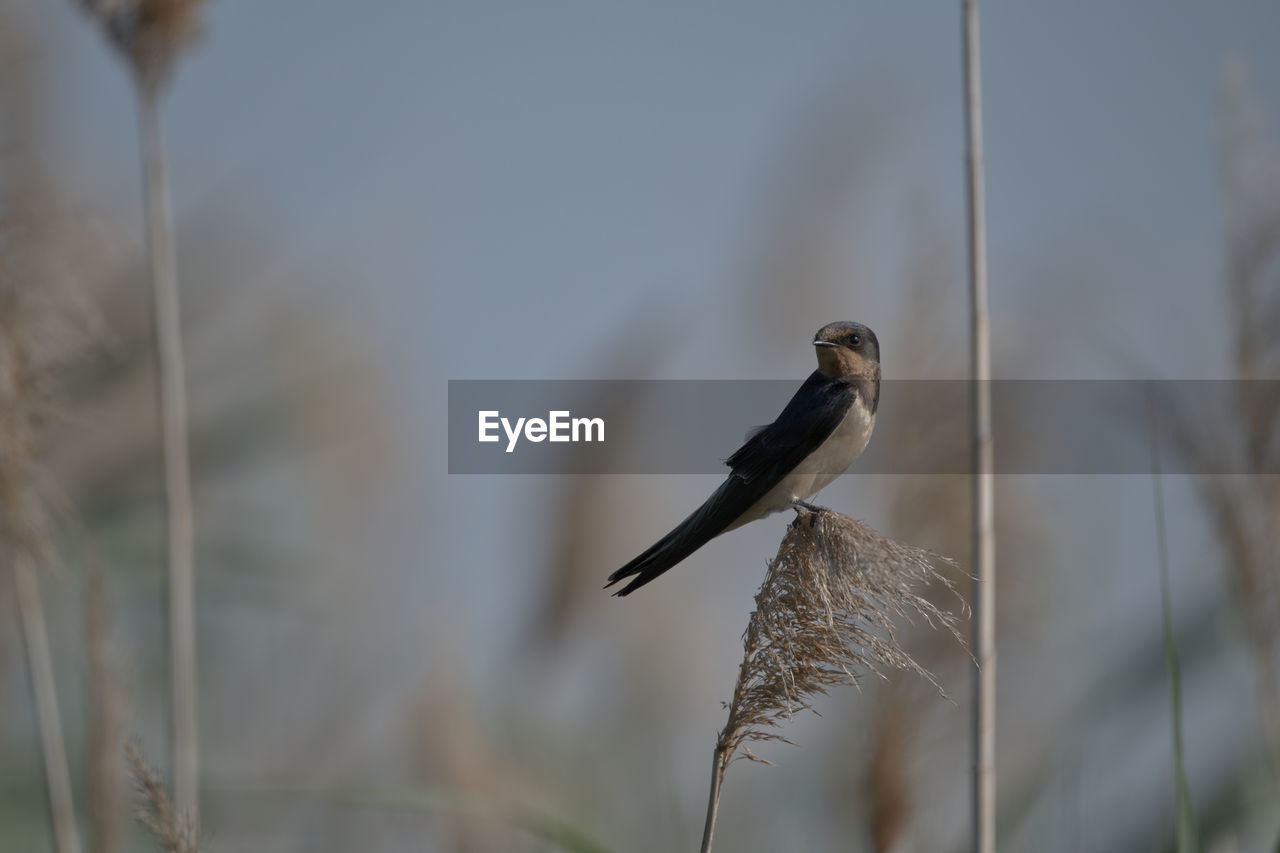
column 151, row 36
column 104, row 700
column 37, row 335
column 35, row 639
column 173, row 418
column 984, row 544
column 1187, row 836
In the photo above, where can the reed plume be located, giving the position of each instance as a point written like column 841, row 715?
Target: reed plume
column 1244, row 511
column 174, row 833
column 44, row 327
column 824, row 616
column 149, row 34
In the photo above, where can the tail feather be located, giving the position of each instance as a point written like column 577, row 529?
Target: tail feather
column 707, row 522
column 659, row 558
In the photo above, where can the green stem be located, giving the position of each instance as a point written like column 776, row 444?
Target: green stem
column 1188, row 840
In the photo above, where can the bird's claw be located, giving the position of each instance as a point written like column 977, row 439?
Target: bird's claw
column 813, row 511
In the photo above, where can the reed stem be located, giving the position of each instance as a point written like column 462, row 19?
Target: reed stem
column 984, row 562
column 177, row 474
column 35, row 639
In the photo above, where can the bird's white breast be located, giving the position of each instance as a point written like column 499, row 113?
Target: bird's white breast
column 828, row 461
column 834, row 456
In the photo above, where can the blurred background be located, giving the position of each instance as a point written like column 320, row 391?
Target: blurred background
column 372, row 200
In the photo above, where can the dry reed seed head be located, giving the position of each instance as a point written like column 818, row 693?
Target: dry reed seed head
column 824, row 616
column 155, row 811
column 888, row 790
column 150, row 34
column 22, row 403
column 46, row 324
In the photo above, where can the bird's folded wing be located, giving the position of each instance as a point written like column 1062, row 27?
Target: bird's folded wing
column 808, row 420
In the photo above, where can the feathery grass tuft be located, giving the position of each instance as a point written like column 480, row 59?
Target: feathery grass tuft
column 824, row 616
column 173, row 832
column 44, row 327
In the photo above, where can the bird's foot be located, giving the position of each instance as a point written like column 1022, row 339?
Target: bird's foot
column 813, row 510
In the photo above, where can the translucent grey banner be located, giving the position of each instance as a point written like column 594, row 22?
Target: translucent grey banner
column 922, row 426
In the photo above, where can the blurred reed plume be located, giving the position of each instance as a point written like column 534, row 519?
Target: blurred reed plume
column 151, row 35
column 1244, row 512
column 935, row 511
column 174, row 834
column 44, row 327
column 888, row 790
column 824, row 615
column 24, row 533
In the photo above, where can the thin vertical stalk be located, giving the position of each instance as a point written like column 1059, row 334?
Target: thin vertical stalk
column 984, row 559
column 719, row 764
column 1186, row 835
column 103, row 788
column 35, row 639
column 177, row 475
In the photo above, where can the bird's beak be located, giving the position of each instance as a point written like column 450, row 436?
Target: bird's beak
column 824, row 344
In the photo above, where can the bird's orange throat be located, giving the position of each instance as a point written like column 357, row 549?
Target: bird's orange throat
column 838, row 361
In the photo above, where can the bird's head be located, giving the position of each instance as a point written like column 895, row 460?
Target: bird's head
column 847, row 349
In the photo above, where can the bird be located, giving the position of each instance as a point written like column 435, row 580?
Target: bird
column 819, row 434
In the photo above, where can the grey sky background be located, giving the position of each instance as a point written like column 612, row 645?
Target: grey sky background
column 571, row 156
column 572, row 189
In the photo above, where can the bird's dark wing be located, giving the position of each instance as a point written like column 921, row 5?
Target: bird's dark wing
column 812, row 415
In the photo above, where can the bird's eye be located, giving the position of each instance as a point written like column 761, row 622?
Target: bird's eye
column 854, row 340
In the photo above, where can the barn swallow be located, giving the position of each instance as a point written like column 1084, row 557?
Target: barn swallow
column 819, row 434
